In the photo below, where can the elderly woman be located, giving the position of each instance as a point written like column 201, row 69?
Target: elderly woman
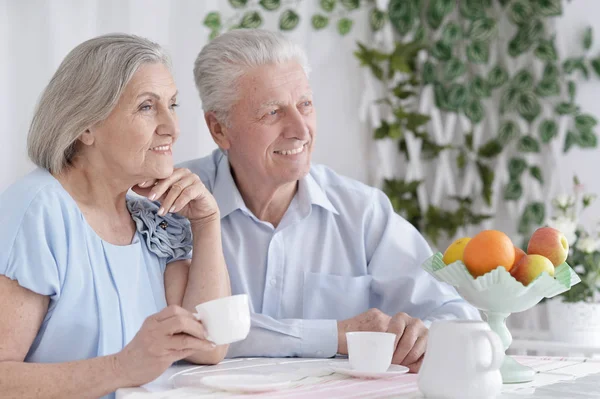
column 86, row 269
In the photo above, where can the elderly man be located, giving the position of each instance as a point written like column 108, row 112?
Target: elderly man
column 318, row 254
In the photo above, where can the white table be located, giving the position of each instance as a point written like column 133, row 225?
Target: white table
column 557, row 377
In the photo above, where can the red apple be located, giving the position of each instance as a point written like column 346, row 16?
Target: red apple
column 550, row 243
column 531, row 266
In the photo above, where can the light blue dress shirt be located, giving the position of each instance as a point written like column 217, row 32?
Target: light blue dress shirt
column 339, row 250
column 100, row 293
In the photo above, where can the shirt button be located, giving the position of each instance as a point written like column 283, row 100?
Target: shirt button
column 273, row 281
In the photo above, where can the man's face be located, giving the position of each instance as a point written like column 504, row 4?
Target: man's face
column 271, row 132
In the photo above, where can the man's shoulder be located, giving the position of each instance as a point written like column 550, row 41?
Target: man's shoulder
column 332, row 183
column 205, row 167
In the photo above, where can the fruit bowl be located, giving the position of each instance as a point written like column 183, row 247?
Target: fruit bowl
column 498, row 294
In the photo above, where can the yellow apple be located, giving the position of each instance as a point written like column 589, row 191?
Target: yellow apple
column 531, row 266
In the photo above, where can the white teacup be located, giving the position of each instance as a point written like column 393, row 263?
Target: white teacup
column 462, row 360
column 225, row 320
column 370, row 351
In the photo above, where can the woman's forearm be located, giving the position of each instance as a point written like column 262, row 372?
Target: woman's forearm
column 208, row 278
column 90, row 378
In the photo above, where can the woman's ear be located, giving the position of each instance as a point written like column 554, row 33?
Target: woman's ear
column 217, row 130
column 86, row 138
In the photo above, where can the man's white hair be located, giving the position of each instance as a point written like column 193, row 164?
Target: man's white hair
column 225, row 59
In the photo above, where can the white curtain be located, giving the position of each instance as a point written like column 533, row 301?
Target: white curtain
column 35, row 35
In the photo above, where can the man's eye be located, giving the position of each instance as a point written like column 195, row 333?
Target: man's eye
column 274, row 112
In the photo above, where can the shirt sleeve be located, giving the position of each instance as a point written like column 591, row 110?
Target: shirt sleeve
column 396, row 251
column 33, row 250
column 287, row 338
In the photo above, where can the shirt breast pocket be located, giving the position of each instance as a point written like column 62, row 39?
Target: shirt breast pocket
column 329, row 296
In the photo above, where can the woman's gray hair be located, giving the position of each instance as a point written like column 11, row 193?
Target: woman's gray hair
column 84, row 91
column 226, row 58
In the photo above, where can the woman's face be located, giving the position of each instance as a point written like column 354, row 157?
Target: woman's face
column 137, row 137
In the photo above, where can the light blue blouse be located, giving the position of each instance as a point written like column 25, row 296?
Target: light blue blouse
column 100, row 293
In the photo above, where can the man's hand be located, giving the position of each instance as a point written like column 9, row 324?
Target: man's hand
column 411, row 341
column 371, row 320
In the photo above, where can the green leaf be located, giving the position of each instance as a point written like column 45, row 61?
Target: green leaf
column 319, row 21
column 551, row 72
column 548, row 8
column 377, row 71
column 547, row 88
column 507, row 132
column 585, row 122
column 213, row 34
column 490, row 149
column 479, row 87
column 251, row 20
column 588, row 37
column 546, row 51
column 516, row 167
column 528, row 144
column 587, row 139
column 395, row 131
column 482, row 29
column 486, row 174
column 428, row 74
column 414, row 120
column 520, row 12
column 570, row 141
column 461, row 160
column 523, row 80
column 419, row 34
column 520, row 44
column 533, row 214
column 503, row 3
column 535, row 30
column 350, row 4
column 451, row 33
column 442, row 51
column 596, row 65
column 270, row 5
column 497, row 77
column 472, row 9
column 513, row 191
column 536, row 173
column 474, row 111
column 402, row 15
column 440, row 95
column 344, row 26
column 528, row 106
column 328, row 5
column 382, row 131
column 547, row 130
column 469, row 141
column 478, row 52
column 509, row 99
column 376, row 19
column 572, row 64
column 565, row 108
column 572, row 89
column 213, row 20
column 456, row 97
column 238, row 3
column 288, row 20
column 453, row 69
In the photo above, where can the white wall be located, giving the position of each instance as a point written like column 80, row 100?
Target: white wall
column 29, row 56
column 585, row 164
column 35, row 35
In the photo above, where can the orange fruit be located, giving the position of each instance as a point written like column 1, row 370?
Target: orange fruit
column 488, row 250
column 455, row 251
column 519, row 253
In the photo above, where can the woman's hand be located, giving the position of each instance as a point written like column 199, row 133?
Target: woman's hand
column 183, row 193
column 164, row 338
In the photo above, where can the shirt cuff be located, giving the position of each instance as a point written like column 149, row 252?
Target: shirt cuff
column 319, row 338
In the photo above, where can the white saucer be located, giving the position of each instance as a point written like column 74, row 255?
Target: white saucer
column 245, row 383
column 344, row 368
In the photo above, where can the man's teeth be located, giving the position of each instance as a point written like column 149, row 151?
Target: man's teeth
column 291, row 152
column 161, row 148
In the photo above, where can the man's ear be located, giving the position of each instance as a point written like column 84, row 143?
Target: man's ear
column 86, row 138
column 217, row 130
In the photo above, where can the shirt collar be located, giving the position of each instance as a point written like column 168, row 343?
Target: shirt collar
column 229, row 198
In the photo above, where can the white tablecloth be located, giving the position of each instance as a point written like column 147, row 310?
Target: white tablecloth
column 556, row 378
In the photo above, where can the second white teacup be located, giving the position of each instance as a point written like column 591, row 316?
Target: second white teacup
column 225, row 320
column 370, row 351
